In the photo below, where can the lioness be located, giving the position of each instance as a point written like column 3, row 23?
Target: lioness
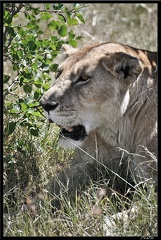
column 104, row 101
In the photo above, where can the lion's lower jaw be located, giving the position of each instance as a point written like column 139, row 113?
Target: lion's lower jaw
column 69, row 143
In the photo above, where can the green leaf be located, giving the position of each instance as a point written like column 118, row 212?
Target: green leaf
column 80, row 17
column 71, row 34
column 37, row 95
column 27, row 88
column 46, row 42
column 72, row 21
column 53, row 67
column 34, row 131
column 73, row 43
column 21, row 31
column 63, row 31
column 31, row 24
column 35, row 11
column 58, row 6
column 79, row 38
column 16, row 15
column 10, row 31
column 10, row 128
column 15, row 67
column 54, row 38
column 68, row 12
column 29, row 16
column 37, row 42
column 45, row 76
column 20, row 53
column 46, row 16
column 46, row 86
column 15, row 56
column 37, row 114
column 26, row 75
column 62, row 18
column 24, row 107
column 32, row 45
column 47, row 5
column 7, row 18
column 53, row 46
column 52, row 25
column 6, row 78
column 38, row 82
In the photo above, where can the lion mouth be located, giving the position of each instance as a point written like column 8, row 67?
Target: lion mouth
column 76, row 133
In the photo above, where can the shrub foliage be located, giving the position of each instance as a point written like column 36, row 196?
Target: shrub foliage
column 31, row 54
column 33, row 35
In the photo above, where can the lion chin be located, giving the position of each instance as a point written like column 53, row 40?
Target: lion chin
column 70, row 144
column 70, row 137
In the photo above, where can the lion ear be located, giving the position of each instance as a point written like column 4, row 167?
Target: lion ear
column 122, row 65
column 69, row 50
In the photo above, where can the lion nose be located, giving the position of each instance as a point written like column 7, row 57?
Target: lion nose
column 48, row 105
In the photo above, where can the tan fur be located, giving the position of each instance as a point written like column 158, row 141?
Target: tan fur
column 115, row 99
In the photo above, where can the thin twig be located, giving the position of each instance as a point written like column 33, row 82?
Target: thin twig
column 13, row 12
column 8, row 90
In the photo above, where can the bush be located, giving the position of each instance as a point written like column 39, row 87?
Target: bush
column 33, row 36
column 31, row 54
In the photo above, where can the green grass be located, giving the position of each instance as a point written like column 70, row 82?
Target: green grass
column 27, row 202
column 28, row 212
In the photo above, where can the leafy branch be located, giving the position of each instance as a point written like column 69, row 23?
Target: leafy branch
column 13, row 9
column 31, row 56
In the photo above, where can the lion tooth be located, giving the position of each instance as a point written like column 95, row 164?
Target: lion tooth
column 69, row 129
